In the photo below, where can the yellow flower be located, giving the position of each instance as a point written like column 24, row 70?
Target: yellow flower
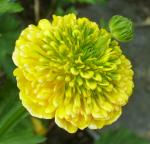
column 73, row 71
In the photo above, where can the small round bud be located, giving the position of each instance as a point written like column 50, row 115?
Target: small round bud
column 121, row 28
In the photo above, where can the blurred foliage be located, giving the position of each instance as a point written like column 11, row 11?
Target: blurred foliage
column 9, row 6
column 9, row 29
column 16, row 126
column 62, row 7
column 82, row 1
column 104, row 24
column 60, row 11
column 87, row 1
column 120, row 136
column 15, row 123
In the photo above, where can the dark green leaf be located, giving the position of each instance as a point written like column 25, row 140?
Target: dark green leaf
column 12, row 118
column 15, row 123
column 11, row 111
column 21, row 137
column 9, row 31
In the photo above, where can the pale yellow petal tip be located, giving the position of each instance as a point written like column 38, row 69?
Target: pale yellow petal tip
column 66, row 125
column 44, row 24
column 15, row 72
column 73, row 71
column 38, row 126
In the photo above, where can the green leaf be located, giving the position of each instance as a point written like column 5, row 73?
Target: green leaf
column 7, row 6
column 8, row 96
column 21, row 137
column 11, row 111
column 10, row 28
column 15, row 115
column 121, row 136
column 15, row 123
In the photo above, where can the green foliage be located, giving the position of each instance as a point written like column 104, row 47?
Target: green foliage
column 68, row 6
column 103, row 23
column 15, row 123
column 60, row 11
column 9, row 29
column 8, row 6
column 21, row 137
column 86, row 1
column 121, row 136
column 24, row 137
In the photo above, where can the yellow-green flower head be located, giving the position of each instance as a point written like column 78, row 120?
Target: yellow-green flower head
column 72, row 70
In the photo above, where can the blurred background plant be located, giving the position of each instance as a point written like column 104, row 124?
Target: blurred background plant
column 16, row 125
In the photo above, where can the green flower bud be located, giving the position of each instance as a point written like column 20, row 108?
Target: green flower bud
column 121, row 28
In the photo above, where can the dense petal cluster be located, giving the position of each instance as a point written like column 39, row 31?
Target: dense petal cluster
column 73, row 71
